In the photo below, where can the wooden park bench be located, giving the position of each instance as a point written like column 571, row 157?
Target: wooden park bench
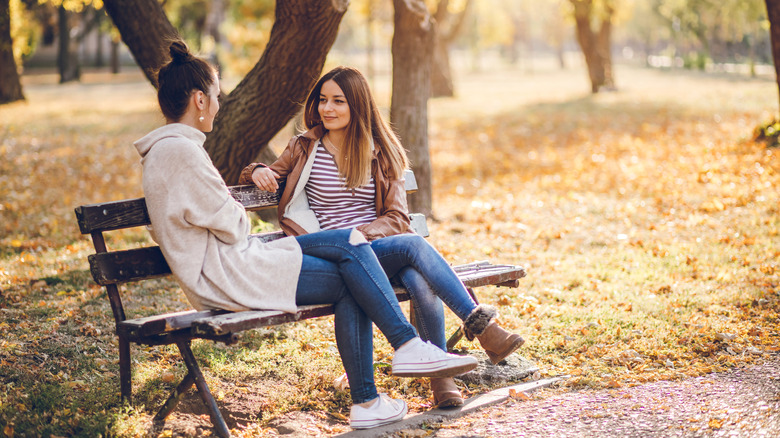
column 112, row 268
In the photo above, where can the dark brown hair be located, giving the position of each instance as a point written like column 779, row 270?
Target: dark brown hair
column 366, row 125
column 179, row 78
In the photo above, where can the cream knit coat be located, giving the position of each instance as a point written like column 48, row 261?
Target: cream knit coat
column 204, row 233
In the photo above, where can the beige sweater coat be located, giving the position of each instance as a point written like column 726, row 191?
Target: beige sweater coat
column 204, row 233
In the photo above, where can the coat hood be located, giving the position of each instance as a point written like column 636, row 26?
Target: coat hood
column 145, row 144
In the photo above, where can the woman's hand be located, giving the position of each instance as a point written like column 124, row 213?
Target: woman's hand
column 265, row 178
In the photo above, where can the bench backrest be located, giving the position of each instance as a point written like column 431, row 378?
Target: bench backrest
column 111, row 268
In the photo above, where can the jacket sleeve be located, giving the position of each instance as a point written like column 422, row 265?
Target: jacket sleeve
column 282, row 165
column 392, row 215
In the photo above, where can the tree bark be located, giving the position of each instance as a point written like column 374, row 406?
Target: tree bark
column 595, row 47
column 67, row 51
column 215, row 16
column 441, row 74
column 604, row 46
column 412, row 47
column 268, row 96
column 10, row 84
column 144, row 28
column 114, row 56
column 448, row 27
column 273, row 91
column 773, row 12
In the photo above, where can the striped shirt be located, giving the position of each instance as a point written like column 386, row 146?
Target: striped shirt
column 335, row 206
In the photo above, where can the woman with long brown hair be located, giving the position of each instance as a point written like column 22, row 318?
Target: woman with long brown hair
column 346, row 172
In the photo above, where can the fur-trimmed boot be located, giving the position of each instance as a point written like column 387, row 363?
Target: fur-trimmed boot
column 445, row 393
column 497, row 342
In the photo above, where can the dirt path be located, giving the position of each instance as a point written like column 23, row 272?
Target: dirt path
column 743, row 402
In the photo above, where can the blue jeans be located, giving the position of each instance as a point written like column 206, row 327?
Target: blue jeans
column 412, row 261
column 350, row 277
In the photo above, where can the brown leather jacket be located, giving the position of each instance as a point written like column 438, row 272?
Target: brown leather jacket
column 391, row 209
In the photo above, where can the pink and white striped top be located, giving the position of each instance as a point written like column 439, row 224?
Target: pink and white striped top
column 335, row 206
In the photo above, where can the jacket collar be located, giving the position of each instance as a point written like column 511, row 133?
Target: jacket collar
column 315, row 133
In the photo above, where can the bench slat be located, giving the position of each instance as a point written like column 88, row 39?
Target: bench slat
column 112, row 215
column 236, row 322
column 129, row 265
column 472, row 276
column 253, row 199
column 500, row 275
column 165, row 323
column 250, row 319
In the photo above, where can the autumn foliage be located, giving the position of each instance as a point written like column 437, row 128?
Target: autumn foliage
column 647, row 220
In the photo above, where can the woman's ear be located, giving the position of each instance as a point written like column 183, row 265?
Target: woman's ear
column 199, row 98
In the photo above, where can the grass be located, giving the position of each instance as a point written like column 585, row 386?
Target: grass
column 647, row 220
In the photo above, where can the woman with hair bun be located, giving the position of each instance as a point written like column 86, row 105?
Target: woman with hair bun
column 346, row 172
column 204, row 235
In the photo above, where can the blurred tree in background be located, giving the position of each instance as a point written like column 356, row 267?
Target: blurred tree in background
column 449, row 24
column 286, row 43
column 594, row 35
column 10, row 85
column 662, row 33
column 700, row 33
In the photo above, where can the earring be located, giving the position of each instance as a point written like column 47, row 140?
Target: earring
column 201, row 118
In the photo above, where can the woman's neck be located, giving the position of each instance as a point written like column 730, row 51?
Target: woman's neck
column 336, row 138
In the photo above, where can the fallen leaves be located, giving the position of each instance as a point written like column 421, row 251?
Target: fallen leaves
column 650, row 246
column 518, row 395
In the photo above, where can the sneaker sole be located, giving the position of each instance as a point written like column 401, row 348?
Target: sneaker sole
column 370, row 424
column 432, row 371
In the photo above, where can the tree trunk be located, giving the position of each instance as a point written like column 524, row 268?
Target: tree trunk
column 268, row 96
column 412, row 46
column 773, row 12
column 214, row 19
column 114, row 56
column 10, row 84
column 604, row 47
column 144, row 28
column 448, row 27
column 441, row 73
column 101, row 38
column 588, row 43
column 67, row 52
column 271, row 93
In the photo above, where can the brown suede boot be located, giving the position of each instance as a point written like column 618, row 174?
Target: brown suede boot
column 445, row 393
column 497, row 342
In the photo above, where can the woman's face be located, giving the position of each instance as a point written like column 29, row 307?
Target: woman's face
column 333, row 107
column 211, row 106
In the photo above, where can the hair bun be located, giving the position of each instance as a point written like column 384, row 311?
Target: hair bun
column 180, row 53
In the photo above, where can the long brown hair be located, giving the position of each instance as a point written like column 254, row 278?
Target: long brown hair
column 366, row 124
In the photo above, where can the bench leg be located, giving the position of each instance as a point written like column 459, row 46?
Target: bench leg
column 125, row 371
column 175, row 397
column 203, row 389
column 458, row 335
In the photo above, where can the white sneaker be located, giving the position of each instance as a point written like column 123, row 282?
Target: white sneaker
column 385, row 411
column 423, row 359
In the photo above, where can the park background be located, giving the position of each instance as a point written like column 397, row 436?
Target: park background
column 646, row 213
